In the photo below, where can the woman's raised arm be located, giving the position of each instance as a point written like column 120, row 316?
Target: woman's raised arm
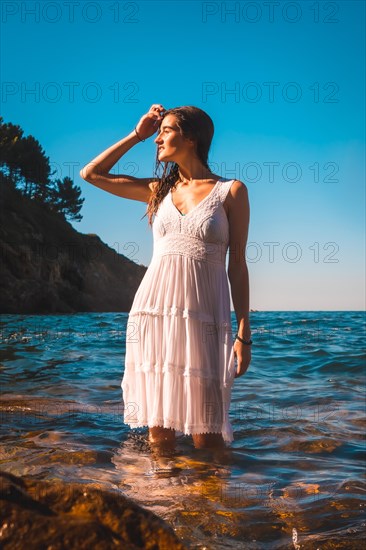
column 97, row 171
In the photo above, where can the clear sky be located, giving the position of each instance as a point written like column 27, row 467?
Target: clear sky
column 284, row 83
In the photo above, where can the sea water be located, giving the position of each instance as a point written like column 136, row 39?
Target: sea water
column 294, row 476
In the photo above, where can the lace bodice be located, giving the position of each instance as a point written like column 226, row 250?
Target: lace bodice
column 202, row 233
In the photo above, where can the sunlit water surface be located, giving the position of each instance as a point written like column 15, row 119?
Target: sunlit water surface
column 292, row 478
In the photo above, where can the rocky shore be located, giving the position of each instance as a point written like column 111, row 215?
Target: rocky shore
column 48, row 267
column 55, row 515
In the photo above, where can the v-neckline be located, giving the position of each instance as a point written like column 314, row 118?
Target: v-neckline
column 197, row 205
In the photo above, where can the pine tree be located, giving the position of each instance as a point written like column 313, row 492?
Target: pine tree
column 24, row 163
column 67, row 199
column 10, row 136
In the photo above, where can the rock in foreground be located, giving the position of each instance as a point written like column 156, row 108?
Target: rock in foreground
column 54, row 515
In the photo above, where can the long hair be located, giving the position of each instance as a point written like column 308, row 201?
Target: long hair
column 194, row 124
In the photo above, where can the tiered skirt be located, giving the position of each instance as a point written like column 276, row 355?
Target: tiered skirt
column 179, row 362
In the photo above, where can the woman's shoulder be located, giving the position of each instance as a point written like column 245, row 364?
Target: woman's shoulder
column 237, row 189
column 237, row 196
column 234, row 196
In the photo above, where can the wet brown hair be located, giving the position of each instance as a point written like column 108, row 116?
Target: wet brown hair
column 194, row 124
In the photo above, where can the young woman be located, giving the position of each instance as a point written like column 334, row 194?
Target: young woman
column 179, row 364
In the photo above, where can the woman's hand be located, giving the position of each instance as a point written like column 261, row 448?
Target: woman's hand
column 149, row 123
column 243, row 354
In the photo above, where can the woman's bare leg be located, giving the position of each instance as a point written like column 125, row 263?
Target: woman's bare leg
column 161, row 435
column 208, row 441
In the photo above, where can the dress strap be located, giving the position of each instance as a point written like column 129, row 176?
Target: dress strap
column 224, row 188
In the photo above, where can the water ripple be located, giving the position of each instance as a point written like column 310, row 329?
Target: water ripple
column 294, row 475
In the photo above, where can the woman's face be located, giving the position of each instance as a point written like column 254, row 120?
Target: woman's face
column 172, row 146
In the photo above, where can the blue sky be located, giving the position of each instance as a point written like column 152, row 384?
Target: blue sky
column 284, row 83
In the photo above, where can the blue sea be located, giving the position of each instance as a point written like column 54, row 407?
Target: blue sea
column 294, row 477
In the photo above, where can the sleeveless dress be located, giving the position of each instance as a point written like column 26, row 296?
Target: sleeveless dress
column 179, row 361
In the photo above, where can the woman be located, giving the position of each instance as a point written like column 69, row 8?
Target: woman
column 179, row 364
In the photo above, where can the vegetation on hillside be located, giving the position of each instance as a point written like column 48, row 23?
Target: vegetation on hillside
column 25, row 166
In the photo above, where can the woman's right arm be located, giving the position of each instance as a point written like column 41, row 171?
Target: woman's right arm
column 97, row 172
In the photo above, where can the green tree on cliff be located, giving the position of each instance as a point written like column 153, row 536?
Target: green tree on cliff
column 10, row 135
column 67, row 198
column 25, row 163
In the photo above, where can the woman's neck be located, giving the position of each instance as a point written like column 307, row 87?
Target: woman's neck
column 187, row 176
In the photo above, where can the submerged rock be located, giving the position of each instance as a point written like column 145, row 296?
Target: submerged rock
column 54, row 515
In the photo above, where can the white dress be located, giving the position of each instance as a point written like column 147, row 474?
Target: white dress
column 179, row 362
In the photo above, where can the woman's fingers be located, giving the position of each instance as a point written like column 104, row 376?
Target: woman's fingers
column 156, row 113
column 243, row 362
column 241, row 370
column 157, row 108
column 149, row 122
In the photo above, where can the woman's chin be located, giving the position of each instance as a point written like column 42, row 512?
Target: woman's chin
column 164, row 158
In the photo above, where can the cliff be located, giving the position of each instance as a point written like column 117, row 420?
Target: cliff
column 48, row 267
